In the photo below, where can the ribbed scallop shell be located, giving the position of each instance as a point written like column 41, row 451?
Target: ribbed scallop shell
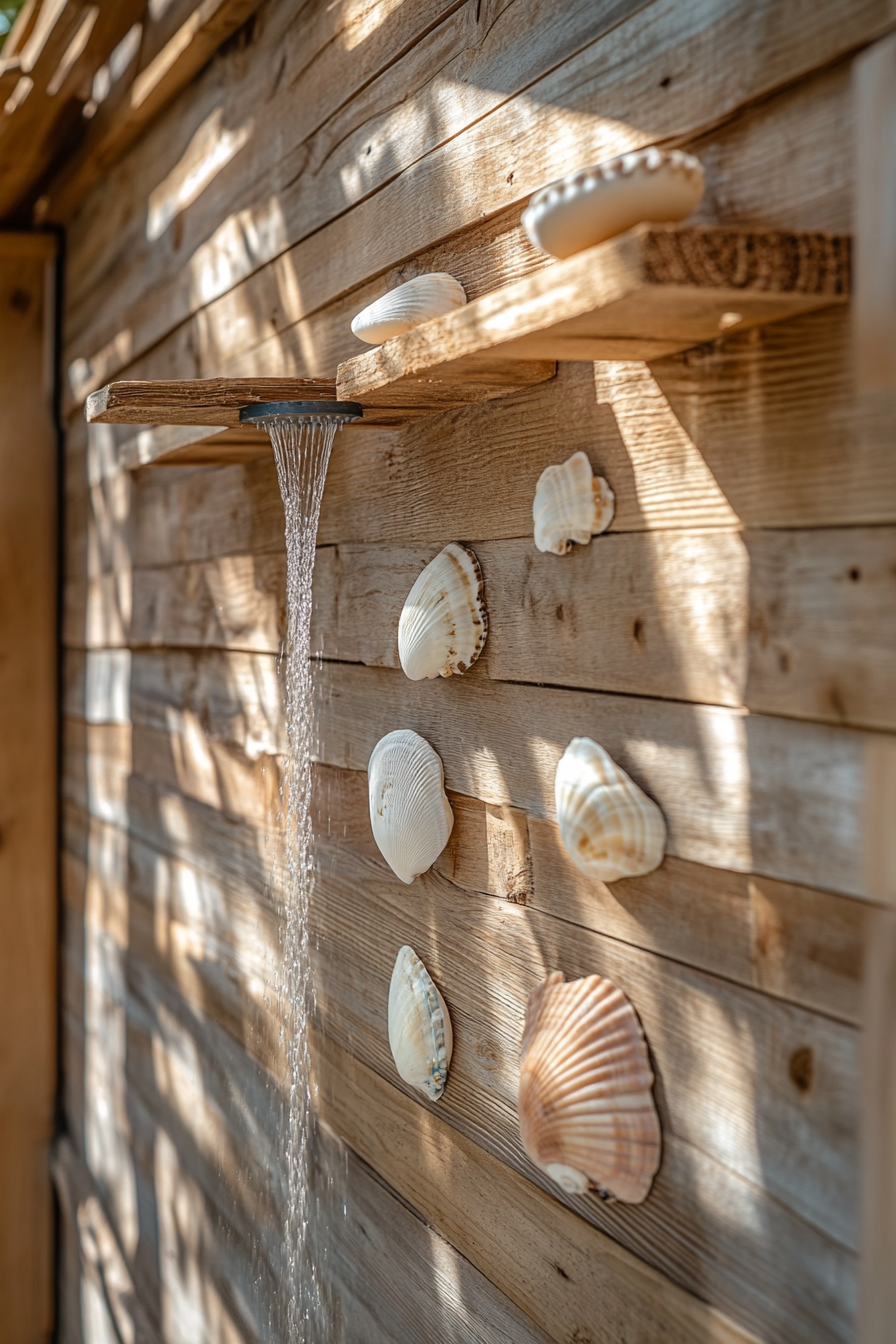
column 593, row 204
column 444, row 622
column 571, row 504
column 609, row 827
column 420, row 1036
column 406, row 307
column 586, row 1111
column 409, row 812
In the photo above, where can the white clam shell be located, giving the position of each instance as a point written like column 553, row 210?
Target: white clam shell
column 409, row 812
column 420, row 1036
column 571, row 505
column 444, row 622
column 406, row 307
column 609, row 827
column 593, row 204
column 586, row 1112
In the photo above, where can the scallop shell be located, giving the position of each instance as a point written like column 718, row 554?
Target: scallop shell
column 571, row 504
column 586, row 1111
column 409, row 812
column 443, row 622
column 407, row 306
column 420, row 1035
column 593, row 204
column 609, row 827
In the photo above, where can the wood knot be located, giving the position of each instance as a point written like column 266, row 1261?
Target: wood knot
column 801, row 1068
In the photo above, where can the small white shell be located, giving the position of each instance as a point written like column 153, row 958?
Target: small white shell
column 585, row 1107
column 571, row 504
column 609, row 827
column 406, row 307
column 593, row 204
column 420, row 1036
column 409, row 812
column 443, row 622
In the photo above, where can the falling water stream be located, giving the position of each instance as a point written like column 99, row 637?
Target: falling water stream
column 302, row 452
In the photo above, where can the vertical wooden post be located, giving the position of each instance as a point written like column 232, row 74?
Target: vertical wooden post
column 28, row 825
column 875, row 368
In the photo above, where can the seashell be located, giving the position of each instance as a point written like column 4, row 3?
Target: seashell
column 406, row 307
column 586, row 1111
column 571, row 504
column 443, row 622
column 593, row 204
column 609, row 827
column 409, row 812
column 420, row 1036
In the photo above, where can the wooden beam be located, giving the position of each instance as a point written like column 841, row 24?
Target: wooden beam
column 648, row 293
column 114, row 129
column 875, row 369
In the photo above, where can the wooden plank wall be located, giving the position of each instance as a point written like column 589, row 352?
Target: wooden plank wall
column 28, row 784
column 729, row 640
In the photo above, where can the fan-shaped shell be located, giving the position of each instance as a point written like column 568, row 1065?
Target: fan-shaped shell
column 593, row 204
column 406, row 307
column 420, row 1036
column 443, row 622
column 409, row 812
column 586, row 1111
column 609, row 827
column 571, row 504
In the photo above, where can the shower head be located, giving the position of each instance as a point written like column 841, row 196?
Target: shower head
column 303, row 412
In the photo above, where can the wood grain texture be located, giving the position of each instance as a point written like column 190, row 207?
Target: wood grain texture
column 28, row 793
column 708, row 1161
column 568, row 1276
column 590, row 98
column 197, row 401
column 648, row 293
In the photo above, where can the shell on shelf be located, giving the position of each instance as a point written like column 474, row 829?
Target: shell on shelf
column 609, row 827
column 410, row 814
column 592, row 204
column 420, row 1036
column 586, row 1112
column 571, row 505
column 444, row 622
column 400, row 310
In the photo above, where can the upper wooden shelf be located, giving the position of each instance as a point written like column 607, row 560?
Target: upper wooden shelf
column 650, row 292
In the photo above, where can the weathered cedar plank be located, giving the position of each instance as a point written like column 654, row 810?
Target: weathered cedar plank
column 486, row 957
column 756, row 793
column 487, row 1054
column 404, row 1278
column 790, row 941
column 588, row 96
column 197, row 401
column 569, row 1277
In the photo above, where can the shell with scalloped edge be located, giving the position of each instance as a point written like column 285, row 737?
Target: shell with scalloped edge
column 609, row 827
column 420, row 1035
column 444, row 622
column 592, row 204
column 586, row 1111
column 402, row 309
column 410, row 814
column 571, row 505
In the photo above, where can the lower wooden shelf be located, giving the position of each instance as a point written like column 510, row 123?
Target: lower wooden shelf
column 650, row 292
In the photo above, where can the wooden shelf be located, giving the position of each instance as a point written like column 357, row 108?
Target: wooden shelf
column 648, row 293
column 197, row 401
